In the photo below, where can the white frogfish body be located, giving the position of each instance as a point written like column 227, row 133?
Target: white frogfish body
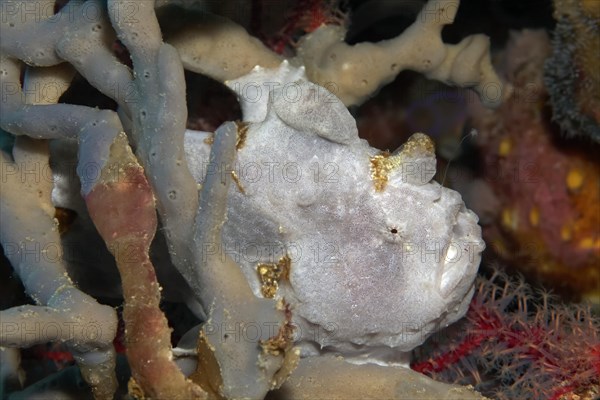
column 368, row 253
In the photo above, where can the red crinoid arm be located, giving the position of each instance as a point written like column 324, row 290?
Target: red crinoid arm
column 486, row 328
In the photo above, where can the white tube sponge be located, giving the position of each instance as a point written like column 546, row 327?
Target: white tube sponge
column 67, row 314
column 355, row 72
column 29, row 235
column 88, row 47
column 217, row 47
column 351, row 72
column 158, row 123
column 30, row 30
column 334, row 379
column 247, row 368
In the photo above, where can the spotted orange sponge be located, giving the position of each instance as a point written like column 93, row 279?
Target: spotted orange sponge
column 549, row 189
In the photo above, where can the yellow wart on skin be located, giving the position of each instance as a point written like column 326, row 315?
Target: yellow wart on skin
column 271, row 274
column 242, row 131
column 384, row 163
